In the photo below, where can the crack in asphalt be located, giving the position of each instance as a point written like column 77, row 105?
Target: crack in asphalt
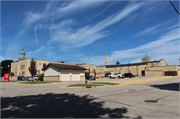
column 138, row 106
column 165, row 96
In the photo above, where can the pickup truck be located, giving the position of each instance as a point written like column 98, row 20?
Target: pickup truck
column 116, row 75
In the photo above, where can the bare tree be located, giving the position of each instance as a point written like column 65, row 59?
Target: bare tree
column 32, row 68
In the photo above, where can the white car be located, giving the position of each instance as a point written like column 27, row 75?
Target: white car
column 36, row 77
column 116, row 75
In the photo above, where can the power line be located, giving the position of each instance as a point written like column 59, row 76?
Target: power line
column 174, row 7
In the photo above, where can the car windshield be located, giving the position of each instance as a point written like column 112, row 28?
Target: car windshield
column 90, row 75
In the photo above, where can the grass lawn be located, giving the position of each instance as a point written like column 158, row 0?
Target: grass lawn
column 39, row 82
column 105, row 83
column 83, row 85
column 8, row 81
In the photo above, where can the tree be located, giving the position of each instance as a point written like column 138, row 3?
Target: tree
column 5, row 68
column 117, row 63
column 11, row 73
column 32, row 68
column 41, row 76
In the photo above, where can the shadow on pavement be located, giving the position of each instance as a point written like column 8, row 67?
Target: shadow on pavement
column 170, row 86
column 57, row 106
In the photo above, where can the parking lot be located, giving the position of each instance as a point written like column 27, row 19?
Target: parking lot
column 57, row 100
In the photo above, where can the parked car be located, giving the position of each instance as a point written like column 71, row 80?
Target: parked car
column 36, row 77
column 128, row 75
column 90, row 77
column 116, row 75
column 27, row 78
column 20, row 78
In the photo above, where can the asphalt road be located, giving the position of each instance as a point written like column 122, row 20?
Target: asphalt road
column 58, row 101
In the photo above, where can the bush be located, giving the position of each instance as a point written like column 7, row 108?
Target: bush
column 97, row 77
column 11, row 73
column 41, row 76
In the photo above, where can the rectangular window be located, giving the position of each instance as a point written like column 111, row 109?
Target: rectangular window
column 23, row 73
column 22, row 66
column 44, row 65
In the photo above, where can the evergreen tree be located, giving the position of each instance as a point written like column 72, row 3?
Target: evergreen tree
column 32, row 68
column 117, row 63
column 5, row 69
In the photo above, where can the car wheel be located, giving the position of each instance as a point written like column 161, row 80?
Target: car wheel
column 119, row 77
column 110, row 77
column 122, row 77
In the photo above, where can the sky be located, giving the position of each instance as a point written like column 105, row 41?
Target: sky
column 83, row 31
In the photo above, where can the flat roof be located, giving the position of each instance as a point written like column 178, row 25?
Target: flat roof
column 130, row 64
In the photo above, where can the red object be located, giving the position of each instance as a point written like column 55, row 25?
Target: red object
column 6, row 76
column 86, row 82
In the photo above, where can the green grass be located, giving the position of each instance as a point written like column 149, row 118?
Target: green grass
column 105, row 83
column 83, row 85
column 55, row 81
column 8, row 81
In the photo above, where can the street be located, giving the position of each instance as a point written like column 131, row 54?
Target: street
column 57, row 101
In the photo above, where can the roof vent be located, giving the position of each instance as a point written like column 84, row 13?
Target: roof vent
column 61, row 61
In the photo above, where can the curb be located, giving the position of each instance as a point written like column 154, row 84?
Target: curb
column 94, row 86
column 146, row 81
column 23, row 84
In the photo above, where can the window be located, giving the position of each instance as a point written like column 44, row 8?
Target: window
column 23, row 73
column 22, row 66
column 44, row 65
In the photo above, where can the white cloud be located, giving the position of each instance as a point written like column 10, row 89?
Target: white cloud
column 35, row 52
column 89, row 34
column 157, row 28
column 166, row 47
column 35, row 29
column 62, row 11
column 149, row 30
column 102, row 11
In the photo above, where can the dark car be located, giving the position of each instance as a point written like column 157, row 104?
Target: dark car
column 128, row 75
column 90, row 77
column 20, row 78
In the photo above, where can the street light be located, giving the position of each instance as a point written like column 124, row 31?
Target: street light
column 1, row 73
column 8, row 72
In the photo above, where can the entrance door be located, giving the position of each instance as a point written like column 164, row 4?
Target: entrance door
column 106, row 75
column 143, row 73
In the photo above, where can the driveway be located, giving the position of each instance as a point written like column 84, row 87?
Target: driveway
column 57, row 101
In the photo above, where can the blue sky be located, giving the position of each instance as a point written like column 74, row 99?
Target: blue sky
column 84, row 31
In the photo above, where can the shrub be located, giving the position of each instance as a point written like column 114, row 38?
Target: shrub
column 41, row 76
column 97, row 77
column 11, row 73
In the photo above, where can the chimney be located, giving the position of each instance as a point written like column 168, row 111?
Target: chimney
column 106, row 59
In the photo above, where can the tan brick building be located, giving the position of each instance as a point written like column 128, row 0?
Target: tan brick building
column 144, row 68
